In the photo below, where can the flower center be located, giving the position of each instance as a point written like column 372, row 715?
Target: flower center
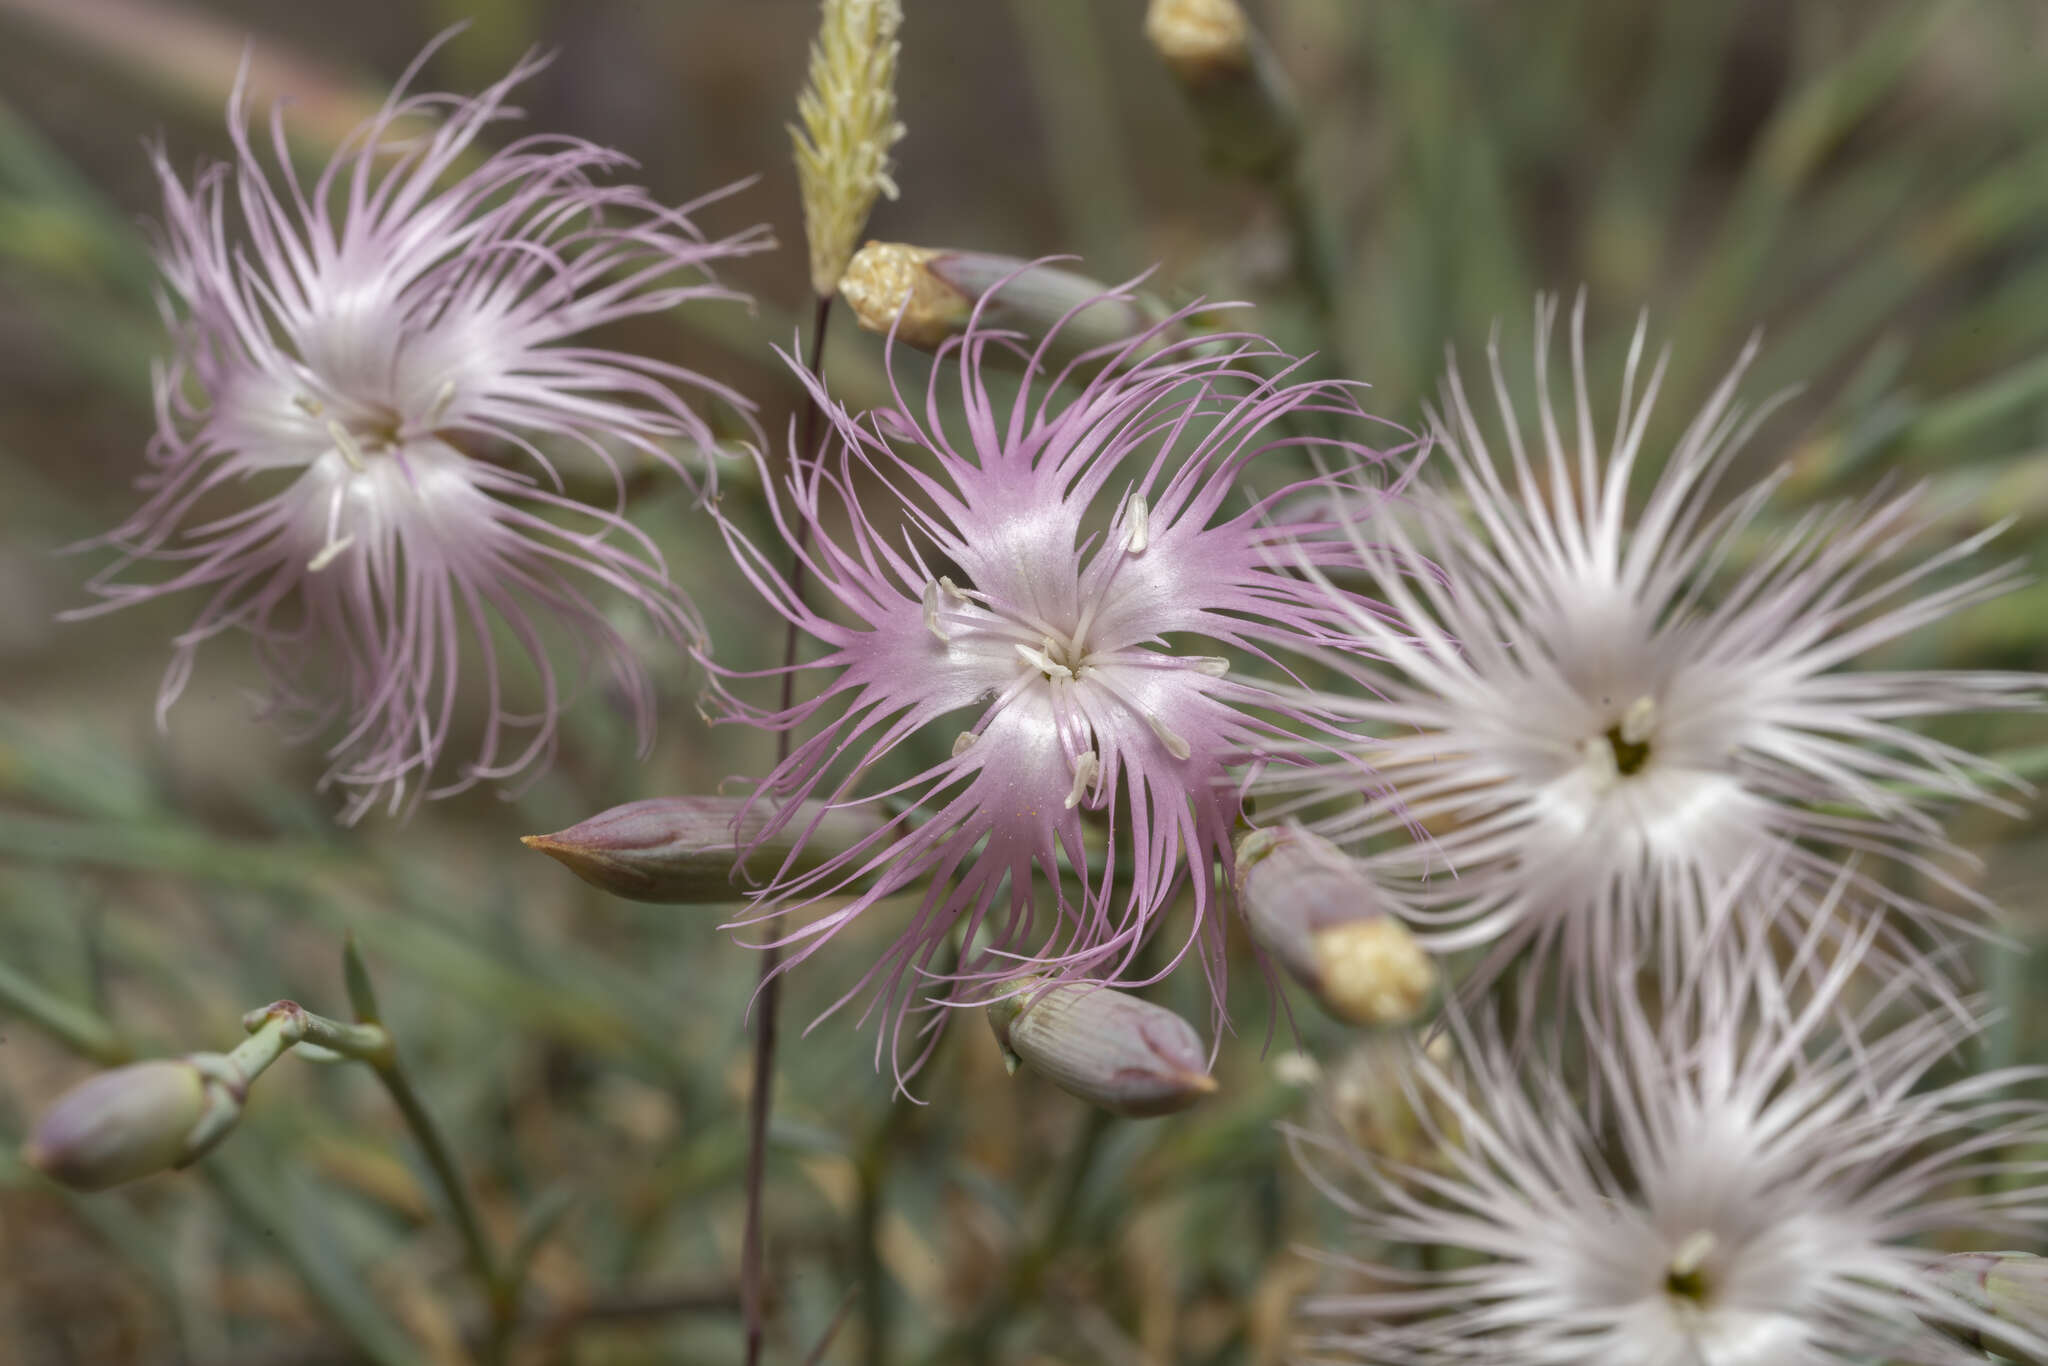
column 1623, row 749
column 1685, row 1279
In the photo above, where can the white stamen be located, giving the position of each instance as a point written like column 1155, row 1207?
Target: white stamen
column 1215, row 666
column 1692, row 1253
column 1175, row 746
column 1085, row 769
column 1138, row 515
column 963, row 742
column 1638, row 720
column 310, row 406
column 954, row 590
column 931, row 613
column 1042, row 660
column 327, row 554
column 1597, row 754
column 345, row 442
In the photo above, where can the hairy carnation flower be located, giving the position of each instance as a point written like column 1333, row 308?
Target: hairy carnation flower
column 1032, row 609
column 1747, row 1193
column 1606, row 716
column 345, row 351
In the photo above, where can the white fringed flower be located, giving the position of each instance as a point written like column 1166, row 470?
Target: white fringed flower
column 1602, row 716
column 1751, row 1192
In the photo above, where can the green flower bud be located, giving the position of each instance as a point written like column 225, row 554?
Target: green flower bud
column 1107, row 1047
column 682, row 851
column 1324, row 922
column 1235, row 87
column 121, row 1125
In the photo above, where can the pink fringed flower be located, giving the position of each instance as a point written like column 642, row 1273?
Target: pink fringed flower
column 1605, row 716
column 1033, row 608
column 346, row 354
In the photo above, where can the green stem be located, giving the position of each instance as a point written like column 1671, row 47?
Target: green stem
column 501, row 1297
column 368, row 1041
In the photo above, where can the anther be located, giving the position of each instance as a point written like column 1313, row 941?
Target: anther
column 1042, row 660
column 1085, row 770
column 345, row 442
column 310, row 406
column 1175, row 745
column 1215, row 666
column 443, row 397
column 963, row 742
column 931, row 613
column 327, row 554
column 1138, row 515
column 1638, row 720
column 1692, row 1254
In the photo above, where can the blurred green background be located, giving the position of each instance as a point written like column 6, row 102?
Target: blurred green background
column 1867, row 182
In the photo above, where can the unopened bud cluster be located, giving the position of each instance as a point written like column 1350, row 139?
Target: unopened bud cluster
column 1324, row 922
column 1107, row 1047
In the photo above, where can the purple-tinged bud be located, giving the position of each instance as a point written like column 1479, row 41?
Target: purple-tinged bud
column 123, row 1124
column 683, row 851
column 927, row 294
column 2011, row 1287
column 1322, row 920
column 1238, row 92
column 1107, row 1047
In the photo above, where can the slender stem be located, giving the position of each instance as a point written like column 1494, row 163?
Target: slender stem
column 483, row 1260
column 370, row 1042
column 768, row 996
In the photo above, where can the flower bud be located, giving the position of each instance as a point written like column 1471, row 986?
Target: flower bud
column 121, row 1125
column 927, row 294
column 1238, row 93
column 1379, row 1100
column 2012, row 1287
column 684, row 851
column 1107, row 1047
column 1324, row 922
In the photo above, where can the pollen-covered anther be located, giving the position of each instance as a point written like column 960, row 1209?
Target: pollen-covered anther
column 954, row 590
column 1085, row 770
column 1175, row 745
column 963, row 742
column 1215, row 666
column 931, row 612
column 1639, row 720
column 1139, row 519
column 327, row 554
